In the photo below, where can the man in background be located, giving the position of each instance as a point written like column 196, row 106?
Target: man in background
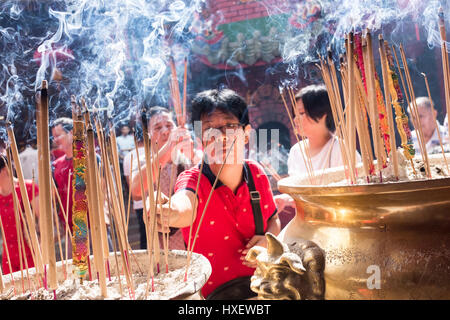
column 430, row 127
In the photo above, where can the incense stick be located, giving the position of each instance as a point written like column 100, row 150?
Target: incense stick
column 371, row 89
column 356, row 79
column 1, row 281
column 302, row 152
column 26, row 239
column 16, row 218
column 156, row 169
column 330, row 79
column 194, row 210
column 114, row 240
column 149, row 216
column 351, row 101
column 94, row 212
column 435, row 120
column 154, row 231
column 144, row 205
column 7, row 253
column 406, row 93
column 116, row 212
column 66, row 217
column 58, row 234
column 393, row 148
column 271, row 170
column 78, row 184
column 184, row 91
column 42, row 225
column 172, row 178
column 55, row 191
column 129, row 193
column 413, row 106
column 118, row 180
column 175, row 90
column 207, row 203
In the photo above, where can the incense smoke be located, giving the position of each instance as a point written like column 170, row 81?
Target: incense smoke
column 316, row 25
column 112, row 53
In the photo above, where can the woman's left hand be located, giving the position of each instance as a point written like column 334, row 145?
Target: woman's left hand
column 254, row 241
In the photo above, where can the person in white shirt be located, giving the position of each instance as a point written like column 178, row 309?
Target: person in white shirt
column 314, row 120
column 446, row 133
column 130, row 166
column 125, row 142
column 430, row 127
column 29, row 160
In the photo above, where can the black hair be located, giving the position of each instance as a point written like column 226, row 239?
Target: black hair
column 153, row 111
column 3, row 162
column 317, row 104
column 66, row 123
column 124, row 124
column 223, row 100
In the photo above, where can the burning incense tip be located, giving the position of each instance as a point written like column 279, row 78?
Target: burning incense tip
column 330, row 54
column 45, row 277
column 109, row 271
column 441, row 15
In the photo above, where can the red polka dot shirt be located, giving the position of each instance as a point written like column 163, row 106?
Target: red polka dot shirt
column 61, row 168
column 228, row 223
column 9, row 226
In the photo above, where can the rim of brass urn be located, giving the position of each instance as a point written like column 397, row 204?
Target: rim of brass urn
column 287, row 185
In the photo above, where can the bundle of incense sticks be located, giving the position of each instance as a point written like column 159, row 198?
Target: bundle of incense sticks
column 179, row 104
column 80, row 242
column 362, row 111
column 19, row 231
column 151, row 161
column 387, row 81
column 409, row 90
column 95, row 183
column 30, row 221
column 97, row 231
column 191, row 243
column 114, row 198
column 435, row 121
column 298, row 132
column 368, row 109
column 45, row 202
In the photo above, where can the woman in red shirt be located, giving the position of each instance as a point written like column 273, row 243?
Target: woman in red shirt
column 228, row 228
column 8, row 218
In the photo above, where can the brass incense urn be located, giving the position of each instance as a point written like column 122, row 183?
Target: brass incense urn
column 381, row 240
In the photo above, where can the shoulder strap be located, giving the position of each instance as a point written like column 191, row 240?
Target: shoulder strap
column 255, row 198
